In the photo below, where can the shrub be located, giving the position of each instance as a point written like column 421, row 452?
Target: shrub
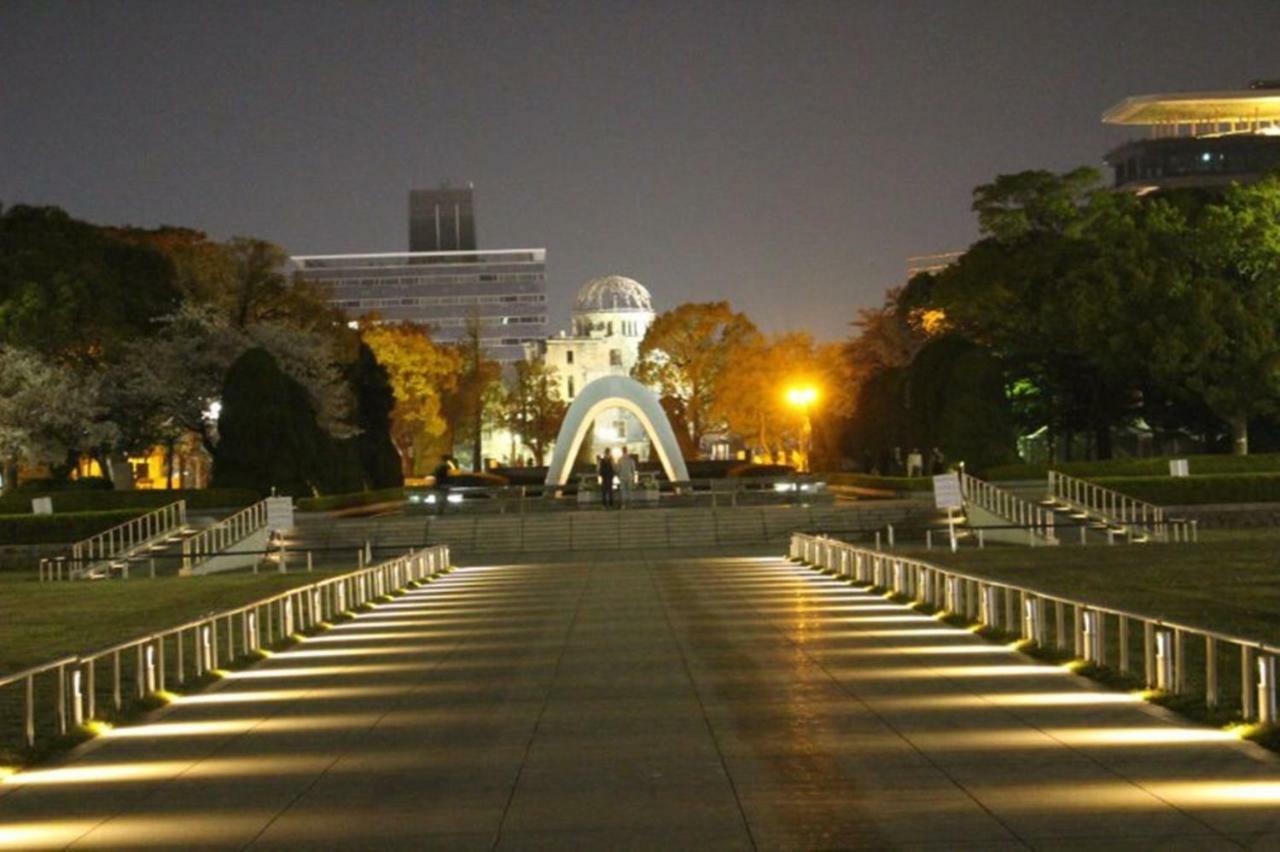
column 67, row 527
column 750, row 469
column 331, row 502
column 84, row 483
column 19, row 503
column 885, row 483
column 1195, row 490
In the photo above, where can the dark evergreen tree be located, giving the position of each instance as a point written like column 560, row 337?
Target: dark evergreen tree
column 375, row 400
column 267, row 431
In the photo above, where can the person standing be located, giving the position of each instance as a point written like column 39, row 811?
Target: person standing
column 626, row 476
column 606, row 472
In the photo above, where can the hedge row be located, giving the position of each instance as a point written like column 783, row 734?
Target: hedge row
column 1196, row 490
column 331, row 502
column 1149, row 467
column 66, row 527
column 19, row 503
column 885, row 483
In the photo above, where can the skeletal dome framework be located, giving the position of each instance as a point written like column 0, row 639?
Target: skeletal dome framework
column 612, row 294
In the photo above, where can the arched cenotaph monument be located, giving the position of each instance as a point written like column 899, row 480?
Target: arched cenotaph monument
column 615, row 392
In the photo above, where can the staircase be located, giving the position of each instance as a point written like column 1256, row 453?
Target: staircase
column 1003, row 516
column 1109, row 513
column 111, row 553
column 593, row 529
column 239, row 541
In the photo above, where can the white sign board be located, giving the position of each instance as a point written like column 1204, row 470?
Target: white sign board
column 1179, row 467
column 946, row 491
column 42, row 506
column 280, row 513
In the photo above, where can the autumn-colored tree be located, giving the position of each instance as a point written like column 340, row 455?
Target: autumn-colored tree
column 689, row 354
column 754, row 404
column 478, row 394
column 421, row 373
column 534, row 407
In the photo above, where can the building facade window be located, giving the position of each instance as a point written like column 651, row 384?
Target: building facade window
column 615, row 357
column 568, row 356
column 571, row 387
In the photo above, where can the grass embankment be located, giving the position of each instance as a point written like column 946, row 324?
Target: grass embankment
column 1154, row 466
column 1229, row 582
column 43, row 621
column 885, row 483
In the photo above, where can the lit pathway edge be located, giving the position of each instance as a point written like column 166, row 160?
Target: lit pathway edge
column 717, row 703
column 1236, row 674
column 149, row 666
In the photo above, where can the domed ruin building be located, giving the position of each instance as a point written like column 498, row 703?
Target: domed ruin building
column 610, row 318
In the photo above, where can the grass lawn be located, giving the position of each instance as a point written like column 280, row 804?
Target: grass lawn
column 1229, row 581
column 43, row 621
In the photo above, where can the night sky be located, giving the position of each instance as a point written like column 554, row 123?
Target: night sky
column 786, row 157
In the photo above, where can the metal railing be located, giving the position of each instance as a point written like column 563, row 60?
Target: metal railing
column 96, row 553
column 649, row 490
column 229, row 531
column 1228, row 672
column 1038, row 520
column 1118, row 510
column 77, row 689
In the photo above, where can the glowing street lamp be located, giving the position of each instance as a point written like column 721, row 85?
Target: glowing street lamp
column 803, row 396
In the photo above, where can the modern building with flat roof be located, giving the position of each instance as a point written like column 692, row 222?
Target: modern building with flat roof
column 1198, row 139
column 504, row 290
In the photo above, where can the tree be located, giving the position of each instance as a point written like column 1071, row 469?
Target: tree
column 375, row 401
column 169, row 384
column 534, row 408
column 269, row 437
column 1227, row 314
column 47, row 412
column 71, row 291
column 689, row 354
column 477, row 396
column 421, row 374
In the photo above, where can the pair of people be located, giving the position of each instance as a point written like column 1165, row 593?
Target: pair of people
column 624, row 471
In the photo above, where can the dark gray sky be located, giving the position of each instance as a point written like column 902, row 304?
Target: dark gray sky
column 787, row 157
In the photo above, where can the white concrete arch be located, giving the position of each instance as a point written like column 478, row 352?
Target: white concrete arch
column 615, row 392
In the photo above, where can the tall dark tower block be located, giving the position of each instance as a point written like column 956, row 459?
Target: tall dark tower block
column 441, row 220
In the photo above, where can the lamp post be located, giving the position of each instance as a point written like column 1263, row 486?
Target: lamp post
column 803, row 396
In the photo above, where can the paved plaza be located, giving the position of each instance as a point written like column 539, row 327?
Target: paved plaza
column 726, row 703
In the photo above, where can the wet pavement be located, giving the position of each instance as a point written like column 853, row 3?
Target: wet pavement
column 726, row 703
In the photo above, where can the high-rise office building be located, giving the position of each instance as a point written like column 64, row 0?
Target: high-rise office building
column 443, row 282
column 505, row 291
column 442, row 220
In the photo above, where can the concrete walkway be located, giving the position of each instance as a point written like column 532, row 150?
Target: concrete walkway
column 695, row 704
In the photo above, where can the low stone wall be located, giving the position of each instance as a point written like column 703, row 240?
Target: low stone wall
column 1228, row 515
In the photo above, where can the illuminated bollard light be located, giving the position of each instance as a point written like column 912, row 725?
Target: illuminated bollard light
column 288, row 617
column 1164, row 660
column 1092, row 636
column 988, row 614
column 77, row 699
column 206, row 648
column 1267, row 689
column 1033, row 620
column 151, row 668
